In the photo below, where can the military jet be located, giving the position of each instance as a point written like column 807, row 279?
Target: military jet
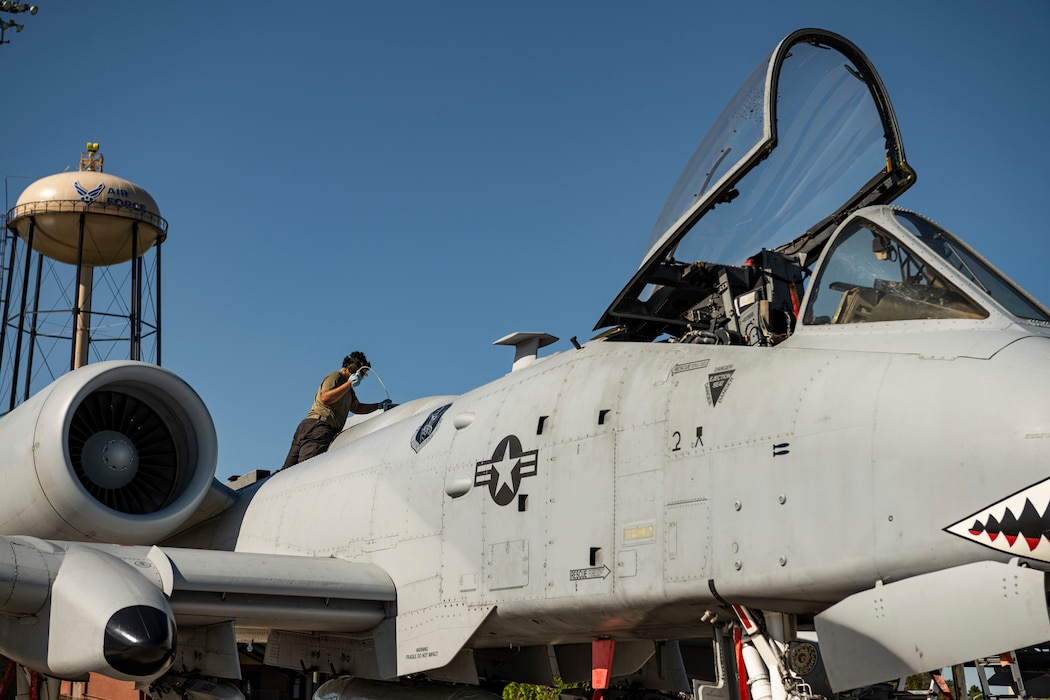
column 742, row 461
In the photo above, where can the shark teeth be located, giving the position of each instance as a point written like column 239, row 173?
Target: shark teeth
column 1018, row 524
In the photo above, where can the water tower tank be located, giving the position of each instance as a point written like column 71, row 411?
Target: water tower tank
column 94, row 242
column 111, row 206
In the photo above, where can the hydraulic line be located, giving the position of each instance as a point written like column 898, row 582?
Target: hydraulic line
column 379, row 379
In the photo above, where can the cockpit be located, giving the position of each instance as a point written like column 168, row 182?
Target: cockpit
column 869, row 275
column 773, row 203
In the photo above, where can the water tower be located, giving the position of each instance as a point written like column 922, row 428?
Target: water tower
column 81, row 277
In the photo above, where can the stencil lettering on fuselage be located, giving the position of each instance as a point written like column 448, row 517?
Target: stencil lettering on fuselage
column 718, row 383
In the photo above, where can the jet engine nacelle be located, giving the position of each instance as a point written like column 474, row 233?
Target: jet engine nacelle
column 117, row 451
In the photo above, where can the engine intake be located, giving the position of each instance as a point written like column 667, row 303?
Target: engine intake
column 112, row 452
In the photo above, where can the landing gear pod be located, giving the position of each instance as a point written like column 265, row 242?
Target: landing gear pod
column 73, row 610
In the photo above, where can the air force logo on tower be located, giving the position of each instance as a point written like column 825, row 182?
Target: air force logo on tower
column 89, row 197
column 504, row 472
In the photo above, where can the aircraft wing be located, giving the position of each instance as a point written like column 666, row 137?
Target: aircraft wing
column 120, row 606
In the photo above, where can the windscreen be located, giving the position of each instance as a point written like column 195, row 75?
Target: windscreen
column 973, row 267
column 869, row 276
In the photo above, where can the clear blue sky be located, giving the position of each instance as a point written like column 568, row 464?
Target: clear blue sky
column 418, row 179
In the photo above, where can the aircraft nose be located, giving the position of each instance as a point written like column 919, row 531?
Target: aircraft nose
column 139, row 641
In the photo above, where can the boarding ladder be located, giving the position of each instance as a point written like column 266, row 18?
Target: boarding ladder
column 1005, row 660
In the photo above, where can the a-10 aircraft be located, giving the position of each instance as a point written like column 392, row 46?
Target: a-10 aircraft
column 751, row 449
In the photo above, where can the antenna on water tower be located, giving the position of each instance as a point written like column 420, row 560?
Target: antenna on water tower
column 76, row 276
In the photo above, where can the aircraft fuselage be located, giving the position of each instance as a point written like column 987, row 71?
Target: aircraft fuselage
column 618, row 488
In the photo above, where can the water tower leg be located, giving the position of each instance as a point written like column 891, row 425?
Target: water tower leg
column 22, row 313
column 136, row 295
column 10, row 272
column 34, row 327
column 157, row 318
column 82, row 333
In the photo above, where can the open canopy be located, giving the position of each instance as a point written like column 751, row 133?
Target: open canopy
column 809, row 138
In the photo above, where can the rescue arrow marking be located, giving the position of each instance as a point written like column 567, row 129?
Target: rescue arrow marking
column 592, row 572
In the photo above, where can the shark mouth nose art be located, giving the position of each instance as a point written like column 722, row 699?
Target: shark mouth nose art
column 1018, row 524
